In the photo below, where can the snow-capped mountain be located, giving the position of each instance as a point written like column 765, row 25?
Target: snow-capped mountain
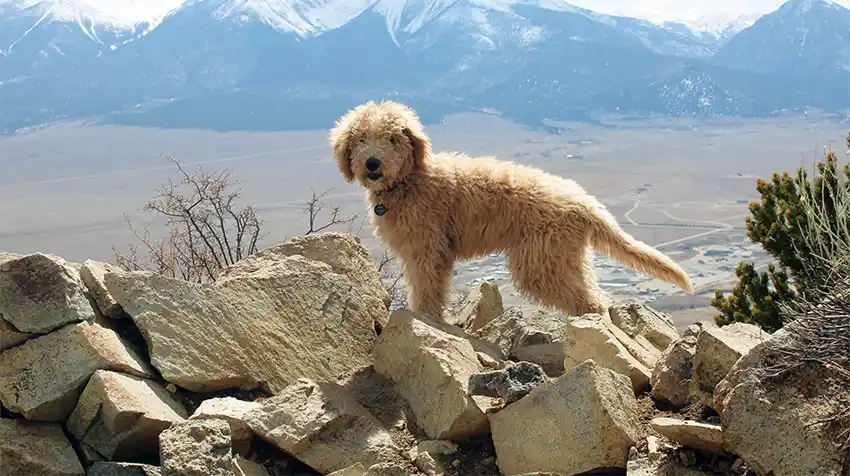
column 252, row 62
column 802, row 37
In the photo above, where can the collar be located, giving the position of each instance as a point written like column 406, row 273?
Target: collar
column 393, row 186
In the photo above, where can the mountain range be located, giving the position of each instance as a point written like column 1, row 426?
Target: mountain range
column 292, row 64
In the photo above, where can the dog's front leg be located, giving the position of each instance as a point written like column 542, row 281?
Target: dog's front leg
column 428, row 275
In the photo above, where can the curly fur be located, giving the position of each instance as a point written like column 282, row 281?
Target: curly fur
column 446, row 206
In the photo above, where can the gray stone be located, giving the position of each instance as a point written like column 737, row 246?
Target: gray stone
column 511, row 383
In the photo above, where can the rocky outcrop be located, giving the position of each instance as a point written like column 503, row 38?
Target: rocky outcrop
column 43, row 378
column 32, row 448
column 584, row 420
column 292, row 310
column 431, row 369
column 290, row 364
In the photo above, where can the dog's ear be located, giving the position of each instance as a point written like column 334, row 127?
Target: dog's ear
column 421, row 145
column 340, row 141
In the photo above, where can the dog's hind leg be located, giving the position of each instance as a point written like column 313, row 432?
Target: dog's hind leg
column 428, row 276
column 557, row 277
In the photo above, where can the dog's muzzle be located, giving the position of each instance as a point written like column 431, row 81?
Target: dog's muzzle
column 372, row 165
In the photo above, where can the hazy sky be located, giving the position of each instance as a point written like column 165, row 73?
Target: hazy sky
column 653, row 10
column 663, row 10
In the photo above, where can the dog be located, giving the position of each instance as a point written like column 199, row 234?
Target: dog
column 435, row 208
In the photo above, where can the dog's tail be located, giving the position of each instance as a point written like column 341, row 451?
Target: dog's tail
column 608, row 237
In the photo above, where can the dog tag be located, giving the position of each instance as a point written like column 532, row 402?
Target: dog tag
column 380, row 210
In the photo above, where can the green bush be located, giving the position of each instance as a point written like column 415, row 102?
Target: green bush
column 804, row 223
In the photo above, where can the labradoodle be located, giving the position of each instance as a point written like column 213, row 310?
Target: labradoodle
column 434, row 208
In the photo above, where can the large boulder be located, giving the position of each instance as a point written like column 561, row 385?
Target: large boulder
column 537, row 337
column 43, row 378
column 196, row 448
column 716, row 351
column 781, row 410
column 343, row 252
column 591, row 337
column 32, row 448
column 292, row 309
column 121, row 416
column 584, row 420
column 322, row 425
column 430, row 369
column 40, row 293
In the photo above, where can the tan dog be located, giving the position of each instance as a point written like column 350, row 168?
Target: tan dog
column 432, row 209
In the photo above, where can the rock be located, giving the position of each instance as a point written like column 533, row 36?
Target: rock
column 716, row 351
column 671, row 377
column 482, row 305
column 588, row 337
column 356, row 469
column 88, row 455
column 121, row 416
column 196, row 448
column 776, row 424
column 8, row 256
column 252, row 323
column 700, row 436
column 246, row 467
column 31, row 448
column 343, row 252
column 113, row 468
column 10, row 337
column 536, row 338
column 40, row 293
column 232, row 410
column 43, row 378
column 92, row 273
column 511, row 384
column 583, row 420
column 431, row 369
column 387, row 469
column 422, row 455
column 323, row 426
column 641, row 322
column 658, row 466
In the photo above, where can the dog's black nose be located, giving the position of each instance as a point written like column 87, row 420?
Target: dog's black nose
column 372, row 164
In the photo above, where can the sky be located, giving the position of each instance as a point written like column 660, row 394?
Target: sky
column 706, row 13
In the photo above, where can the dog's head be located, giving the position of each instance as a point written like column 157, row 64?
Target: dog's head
column 379, row 143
